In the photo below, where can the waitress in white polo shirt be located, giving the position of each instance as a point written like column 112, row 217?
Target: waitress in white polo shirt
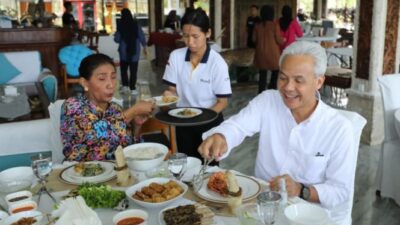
column 199, row 76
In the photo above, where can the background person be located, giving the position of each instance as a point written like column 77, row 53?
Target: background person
column 68, row 19
column 199, row 76
column 290, row 28
column 267, row 38
column 172, row 20
column 92, row 126
column 251, row 22
column 130, row 36
column 302, row 140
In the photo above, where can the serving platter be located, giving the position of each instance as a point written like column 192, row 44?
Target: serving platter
column 69, row 176
column 250, row 189
column 159, row 101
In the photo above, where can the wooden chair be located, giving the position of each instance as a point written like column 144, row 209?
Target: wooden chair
column 93, row 41
column 155, row 131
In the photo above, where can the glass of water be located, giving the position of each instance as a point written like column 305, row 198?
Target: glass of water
column 177, row 164
column 42, row 166
column 269, row 204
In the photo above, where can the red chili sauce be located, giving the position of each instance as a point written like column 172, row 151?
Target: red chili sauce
column 131, row 221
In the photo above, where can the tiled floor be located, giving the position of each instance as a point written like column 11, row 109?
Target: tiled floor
column 367, row 210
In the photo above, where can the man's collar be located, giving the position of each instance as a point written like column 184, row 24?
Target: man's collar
column 205, row 56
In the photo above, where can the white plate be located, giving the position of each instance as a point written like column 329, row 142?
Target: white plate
column 160, row 102
column 250, row 189
column 192, row 167
column 175, row 112
column 306, row 214
column 161, row 214
column 107, row 169
column 151, row 205
column 107, row 175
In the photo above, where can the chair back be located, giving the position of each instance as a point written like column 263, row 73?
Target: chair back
column 152, row 126
column 332, row 32
column 55, row 135
column 50, row 85
column 358, row 122
column 72, row 56
column 93, row 41
column 390, row 91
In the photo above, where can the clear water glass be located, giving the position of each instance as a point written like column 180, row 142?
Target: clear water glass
column 144, row 90
column 177, row 164
column 250, row 214
column 269, row 202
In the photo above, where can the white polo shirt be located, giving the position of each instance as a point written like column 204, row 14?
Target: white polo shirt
column 318, row 151
column 201, row 86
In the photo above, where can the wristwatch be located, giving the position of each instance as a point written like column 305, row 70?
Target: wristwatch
column 304, row 192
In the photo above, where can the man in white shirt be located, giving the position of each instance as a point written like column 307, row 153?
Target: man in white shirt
column 302, row 139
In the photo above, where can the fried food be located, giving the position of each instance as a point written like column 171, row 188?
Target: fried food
column 169, row 99
column 187, row 112
column 156, row 192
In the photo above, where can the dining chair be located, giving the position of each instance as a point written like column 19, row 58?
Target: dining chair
column 387, row 177
column 55, row 135
column 50, row 85
column 155, row 131
column 358, row 122
column 71, row 57
column 93, row 41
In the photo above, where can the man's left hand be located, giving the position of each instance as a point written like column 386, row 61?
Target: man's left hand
column 292, row 187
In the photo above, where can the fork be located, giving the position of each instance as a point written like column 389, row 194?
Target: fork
column 198, row 179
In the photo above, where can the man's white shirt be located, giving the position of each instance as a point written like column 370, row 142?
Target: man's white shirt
column 318, row 151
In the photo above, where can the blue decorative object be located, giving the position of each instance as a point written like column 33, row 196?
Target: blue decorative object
column 8, row 70
column 72, row 56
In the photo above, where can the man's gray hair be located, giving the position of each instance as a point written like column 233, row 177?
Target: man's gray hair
column 310, row 49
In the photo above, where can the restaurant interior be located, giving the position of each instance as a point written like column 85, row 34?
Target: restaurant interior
column 38, row 71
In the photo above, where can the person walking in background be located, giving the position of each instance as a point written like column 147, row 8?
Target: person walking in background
column 199, row 76
column 68, row 19
column 290, row 28
column 252, row 20
column 172, row 20
column 267, row 39
column 130, row 36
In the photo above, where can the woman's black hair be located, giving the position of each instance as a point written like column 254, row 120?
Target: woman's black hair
column 267, row 13
column 198, row 18
column 286, row 18
column 92, row 62
column 128, row 29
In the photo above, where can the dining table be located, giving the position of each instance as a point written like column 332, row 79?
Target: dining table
column 222, row 214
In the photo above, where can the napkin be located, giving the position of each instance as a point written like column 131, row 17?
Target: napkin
column 10, row 90
column 74, row 211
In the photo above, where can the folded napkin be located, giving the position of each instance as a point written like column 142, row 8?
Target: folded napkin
column 74, row 211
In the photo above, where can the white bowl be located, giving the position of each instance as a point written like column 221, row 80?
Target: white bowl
column 12, row 198
column 3, row 215
column 15, row 217
column 306, row 214
column 22, row 206
column 144, row 164
column 160, row 180
column 16, row 179
column 193, row 167
column 131, row 213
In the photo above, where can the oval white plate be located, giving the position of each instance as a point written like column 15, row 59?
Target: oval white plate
column 175, row 112
column 250, row 189
column 160, row 102
column 107, row 175
column 107, row 169
column 161, row 214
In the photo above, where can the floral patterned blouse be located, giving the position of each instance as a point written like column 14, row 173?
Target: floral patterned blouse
column 89, row 133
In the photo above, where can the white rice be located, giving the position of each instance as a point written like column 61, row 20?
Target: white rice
column 144, row 153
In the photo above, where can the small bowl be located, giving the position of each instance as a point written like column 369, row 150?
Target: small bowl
column 17, row 197
column 131, row 213
column 22, row 206
column 306, row 214
column 135, row 164
column 15, row 217
column 3, row 215
column 10, row 186
column 16, row 179
column 151, row 205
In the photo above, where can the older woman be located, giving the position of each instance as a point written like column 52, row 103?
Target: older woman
column 92, row 126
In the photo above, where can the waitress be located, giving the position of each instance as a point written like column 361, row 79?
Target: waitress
column 199, row 76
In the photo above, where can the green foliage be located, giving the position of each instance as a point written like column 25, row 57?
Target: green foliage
column 100, row 195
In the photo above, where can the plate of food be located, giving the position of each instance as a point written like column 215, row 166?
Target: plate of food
column 187, row 214
column 166, row 100
column 184, row 112
column 216, row 188
column 92, row 171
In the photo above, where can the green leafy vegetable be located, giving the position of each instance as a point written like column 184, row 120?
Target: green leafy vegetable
column 100, row 195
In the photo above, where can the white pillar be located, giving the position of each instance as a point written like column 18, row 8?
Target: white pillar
column 232, row 31
column 217, row 21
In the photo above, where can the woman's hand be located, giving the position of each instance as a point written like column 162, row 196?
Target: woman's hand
column 141, row 108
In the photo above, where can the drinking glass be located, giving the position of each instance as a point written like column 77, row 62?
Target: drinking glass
column 177, row 164
column 42, row 166
column 144, row 91
column 269, row 203
column 250, row 214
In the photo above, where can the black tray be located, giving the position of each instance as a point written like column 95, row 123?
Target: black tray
column 206, row 116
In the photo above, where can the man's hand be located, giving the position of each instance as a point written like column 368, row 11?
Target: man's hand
column 292, row 187
column 214, row 146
